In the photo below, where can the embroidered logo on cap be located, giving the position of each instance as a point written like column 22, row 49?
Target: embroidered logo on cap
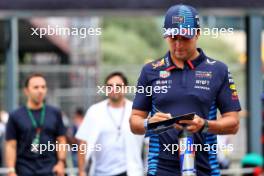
column 177, row 19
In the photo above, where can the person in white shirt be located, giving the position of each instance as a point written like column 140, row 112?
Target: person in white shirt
column 105, row 131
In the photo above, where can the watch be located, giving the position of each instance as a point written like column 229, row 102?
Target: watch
column 205, row 126
column 146, row 124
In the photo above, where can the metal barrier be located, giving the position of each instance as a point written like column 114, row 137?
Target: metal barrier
column 236, row 171
column 68, row 171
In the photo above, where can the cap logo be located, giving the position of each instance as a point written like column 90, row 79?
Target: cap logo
column 177, row 19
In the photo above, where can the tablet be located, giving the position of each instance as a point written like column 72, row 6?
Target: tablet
column 162, row 126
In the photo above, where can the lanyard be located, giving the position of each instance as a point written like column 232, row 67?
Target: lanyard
column 118, row 126
column 33, row 120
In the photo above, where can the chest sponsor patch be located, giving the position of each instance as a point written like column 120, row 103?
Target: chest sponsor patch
column 203, row 74
column 164, row 74
column 202, row 84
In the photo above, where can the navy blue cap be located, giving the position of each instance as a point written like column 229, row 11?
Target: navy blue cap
column 181, row 20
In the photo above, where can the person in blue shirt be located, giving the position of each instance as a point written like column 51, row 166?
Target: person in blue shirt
column 30, row 126
column 185, row 80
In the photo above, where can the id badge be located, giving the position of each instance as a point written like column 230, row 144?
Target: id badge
column 35, row 143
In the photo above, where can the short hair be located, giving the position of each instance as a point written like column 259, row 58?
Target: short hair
column 120, row 74
column 33, row 75
column 79, row 111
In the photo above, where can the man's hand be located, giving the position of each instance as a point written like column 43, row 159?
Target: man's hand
column 159, row 116
column 81, row 158
column 12, row 174
column 59, row 168
column 82, row 173
column 10, row 156
column 194, row 125
column 61, row 156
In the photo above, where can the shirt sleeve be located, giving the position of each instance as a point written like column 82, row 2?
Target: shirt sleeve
column 61, row 130
column 227, row 97
column 11, row 129
column 89, row 127
column 142, row 100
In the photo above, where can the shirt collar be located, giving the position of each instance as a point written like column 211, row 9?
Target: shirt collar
column 169, row 65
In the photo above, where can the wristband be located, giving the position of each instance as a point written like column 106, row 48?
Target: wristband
column 205, row 126
column 11, row 170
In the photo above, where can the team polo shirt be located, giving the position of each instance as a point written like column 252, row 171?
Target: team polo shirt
column 202, row 86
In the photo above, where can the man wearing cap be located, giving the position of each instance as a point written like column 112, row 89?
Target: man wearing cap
column 195, row 83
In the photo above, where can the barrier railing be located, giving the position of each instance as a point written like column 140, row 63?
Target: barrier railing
column 236, row 171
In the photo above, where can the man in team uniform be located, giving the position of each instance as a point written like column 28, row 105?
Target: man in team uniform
column 194, row 83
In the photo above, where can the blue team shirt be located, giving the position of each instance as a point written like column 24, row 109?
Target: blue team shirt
column 202, row 86
column 19, row 128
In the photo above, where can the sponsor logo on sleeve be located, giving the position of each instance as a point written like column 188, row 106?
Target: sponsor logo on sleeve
column 158, row 63
column 232, row 86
